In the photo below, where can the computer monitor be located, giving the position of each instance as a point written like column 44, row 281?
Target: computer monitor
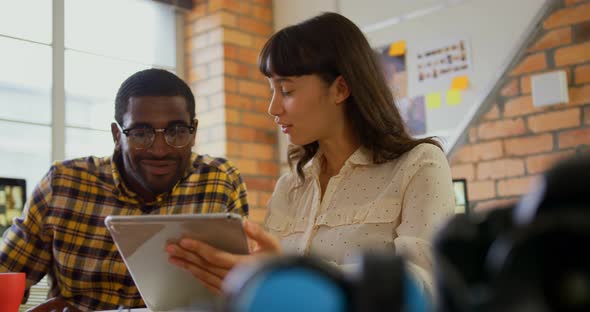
column 13, row 194
column 461, row 201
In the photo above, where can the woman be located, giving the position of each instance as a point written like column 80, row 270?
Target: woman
column 359, row 181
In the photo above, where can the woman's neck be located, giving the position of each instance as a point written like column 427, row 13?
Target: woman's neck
column 336, row 152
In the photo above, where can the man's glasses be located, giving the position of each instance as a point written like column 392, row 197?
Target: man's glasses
column 142, row 137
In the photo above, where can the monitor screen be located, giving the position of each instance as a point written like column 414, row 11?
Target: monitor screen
column 13, row 194
column 461, row 201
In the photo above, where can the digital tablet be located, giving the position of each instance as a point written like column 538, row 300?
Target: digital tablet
column 141, row 241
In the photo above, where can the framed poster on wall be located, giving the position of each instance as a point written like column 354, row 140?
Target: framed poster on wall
column 461, row 201
column 12, row 200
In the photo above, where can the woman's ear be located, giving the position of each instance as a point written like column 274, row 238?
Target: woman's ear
column 341, row 91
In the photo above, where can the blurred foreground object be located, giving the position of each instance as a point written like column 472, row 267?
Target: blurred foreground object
column 530, row 257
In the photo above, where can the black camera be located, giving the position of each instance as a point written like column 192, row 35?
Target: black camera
column 528, row 257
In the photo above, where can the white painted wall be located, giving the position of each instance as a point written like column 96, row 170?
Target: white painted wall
column 495, row 28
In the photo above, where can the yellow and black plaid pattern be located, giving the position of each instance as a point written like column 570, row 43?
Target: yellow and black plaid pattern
column 62, row 231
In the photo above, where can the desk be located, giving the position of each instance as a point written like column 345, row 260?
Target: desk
column 148, row 310
column 132, row 310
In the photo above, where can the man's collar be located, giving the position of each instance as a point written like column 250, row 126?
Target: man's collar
column 124, row 193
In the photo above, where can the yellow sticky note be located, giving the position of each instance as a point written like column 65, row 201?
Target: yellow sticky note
column 433, row 100
column 453, row 97
column 460, row 83
column 397, row 48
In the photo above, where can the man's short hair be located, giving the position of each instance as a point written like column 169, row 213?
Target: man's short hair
column 152, row 82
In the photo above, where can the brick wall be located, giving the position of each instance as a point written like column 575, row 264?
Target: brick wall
column 223, row 39
column 514, row 142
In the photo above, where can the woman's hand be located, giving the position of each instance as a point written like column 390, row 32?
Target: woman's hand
column 211, row 265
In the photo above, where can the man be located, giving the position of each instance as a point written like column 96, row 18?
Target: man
column 152, row 171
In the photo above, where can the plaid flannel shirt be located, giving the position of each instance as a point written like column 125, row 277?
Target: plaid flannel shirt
column 62, row 231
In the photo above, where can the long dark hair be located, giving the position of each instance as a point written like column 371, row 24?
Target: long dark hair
column 330, row 45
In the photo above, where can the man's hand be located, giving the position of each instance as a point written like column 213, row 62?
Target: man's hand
column 211, row 265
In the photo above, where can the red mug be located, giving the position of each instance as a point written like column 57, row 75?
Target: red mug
column 12, row 290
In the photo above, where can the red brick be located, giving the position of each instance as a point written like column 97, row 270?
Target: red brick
column 582, row 74
column 253, row 88
column 230, row 84
column 519, row 106
column 232, row 116
column 262, row 13
column 236, row 101
column 488, row 150
column 554, row 38
column 472, row 135
column 256, row 213
column 494, row 204
column 230, row 51
column 510, row 88
column 255, row 26
column 529, row 145
column 509, row 167
column 574, row 138
column 261, row 105
column 236, row 69
column 269, row 168
column 258, row 151
column 587, row 116
column 246, row 167
column 240, row 133
column 198, row 11
column 264, row 198
column 525, row 84
column 237, row 37
column 259, row 43
column 266, row 136
column 476, row 152
column 568, row 16
column 463, row 155
column 575, row 54
column 265, row 3
column 515, row 186
column 579, row 95
column 257, row 120
column 557, row 120
column 572, row 2
column 249, row 56
column 232, row 149
column 259, row 183
column 501, row 129
column 210, row 22
column 466, row 171
column 254, row 204
column 532, row 63
column 493, row 113
column 238, row 6
column 540, row 163
column 481, row 190
column 256, row 75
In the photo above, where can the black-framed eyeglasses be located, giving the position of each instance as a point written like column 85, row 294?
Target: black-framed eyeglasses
column 142, row 137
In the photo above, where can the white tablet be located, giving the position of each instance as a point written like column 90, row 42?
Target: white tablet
column 141, row 241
